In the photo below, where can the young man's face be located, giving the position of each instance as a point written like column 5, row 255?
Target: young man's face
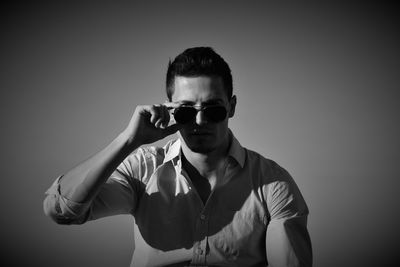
column 201, row 134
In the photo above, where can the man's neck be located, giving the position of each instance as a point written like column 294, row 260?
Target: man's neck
column 210, row 163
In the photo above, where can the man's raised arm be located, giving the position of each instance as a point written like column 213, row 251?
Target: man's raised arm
column 81, row 184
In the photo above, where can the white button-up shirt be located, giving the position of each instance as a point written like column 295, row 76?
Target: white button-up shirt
column 255, row 216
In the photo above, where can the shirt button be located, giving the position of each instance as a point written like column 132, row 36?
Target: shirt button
column 202, row 217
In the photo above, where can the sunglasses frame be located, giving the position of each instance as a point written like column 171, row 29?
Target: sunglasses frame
column 200, row 108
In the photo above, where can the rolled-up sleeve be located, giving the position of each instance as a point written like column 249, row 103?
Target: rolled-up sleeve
column 117, row 196
column 61, row 209
column 288, row 242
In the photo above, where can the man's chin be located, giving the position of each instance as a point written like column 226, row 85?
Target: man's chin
column 200, row 145
column 201, row 149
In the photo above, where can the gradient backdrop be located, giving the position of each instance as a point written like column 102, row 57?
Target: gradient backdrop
column 317, row 87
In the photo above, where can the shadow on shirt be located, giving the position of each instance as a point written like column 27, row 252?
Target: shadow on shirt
column 170, row 217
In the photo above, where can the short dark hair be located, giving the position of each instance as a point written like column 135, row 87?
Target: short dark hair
column 198, row 61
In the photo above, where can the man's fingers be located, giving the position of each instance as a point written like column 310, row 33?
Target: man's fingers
column 155, row 114
column 159, row 114
column 166, row 117
column 163, row 118
column 172, row 129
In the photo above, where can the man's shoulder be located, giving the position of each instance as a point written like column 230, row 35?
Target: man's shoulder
column 268, row 168
column 255, row 157
column 142, row 162
column 154, row 152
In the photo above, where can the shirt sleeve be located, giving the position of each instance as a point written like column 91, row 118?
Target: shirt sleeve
column 288, row 242
column 117, row 196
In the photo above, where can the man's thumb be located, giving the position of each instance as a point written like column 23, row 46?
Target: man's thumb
column 172, row 129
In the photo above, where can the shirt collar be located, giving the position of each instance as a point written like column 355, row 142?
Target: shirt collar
column 173, row 149
column 236, row 151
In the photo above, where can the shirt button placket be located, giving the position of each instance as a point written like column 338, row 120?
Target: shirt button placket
column 200, row 247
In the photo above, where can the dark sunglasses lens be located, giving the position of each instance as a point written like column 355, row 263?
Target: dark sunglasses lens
column 215, row 114
column 183, row 115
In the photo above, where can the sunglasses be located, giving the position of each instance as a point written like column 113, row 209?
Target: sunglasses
column 185, row 114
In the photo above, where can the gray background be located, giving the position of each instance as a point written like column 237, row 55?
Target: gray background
column 317, row 88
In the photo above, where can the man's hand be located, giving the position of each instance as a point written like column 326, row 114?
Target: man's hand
column 150, row 124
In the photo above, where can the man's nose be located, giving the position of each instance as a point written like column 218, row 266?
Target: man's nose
column 200, row 118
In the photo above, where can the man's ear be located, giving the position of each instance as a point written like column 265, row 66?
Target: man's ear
column 232, row 103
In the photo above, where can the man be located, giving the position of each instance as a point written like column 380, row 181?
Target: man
column 201, row 200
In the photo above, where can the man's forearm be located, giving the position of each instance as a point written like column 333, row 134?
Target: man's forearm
column 147, row 125
column 82, row 183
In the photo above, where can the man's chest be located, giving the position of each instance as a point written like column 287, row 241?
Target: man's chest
column 172, row 214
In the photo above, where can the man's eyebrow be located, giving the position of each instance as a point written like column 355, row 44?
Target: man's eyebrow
column 208, row 102
column 214, row 101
